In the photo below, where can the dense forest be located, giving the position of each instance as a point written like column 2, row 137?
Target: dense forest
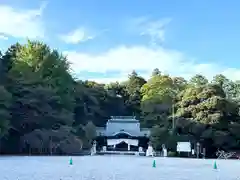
column 44, row 110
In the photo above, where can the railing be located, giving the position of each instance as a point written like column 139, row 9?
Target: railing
column 224, row 155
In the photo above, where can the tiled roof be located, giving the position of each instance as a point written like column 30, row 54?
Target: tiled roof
column 123, row 124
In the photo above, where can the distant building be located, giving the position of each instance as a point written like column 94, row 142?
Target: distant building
column 123, row 133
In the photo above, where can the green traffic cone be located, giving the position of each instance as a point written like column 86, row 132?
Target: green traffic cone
column 215, row 165
column 154, row 163
column 71, row 162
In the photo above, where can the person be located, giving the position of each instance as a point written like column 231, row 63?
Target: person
column 193, row 152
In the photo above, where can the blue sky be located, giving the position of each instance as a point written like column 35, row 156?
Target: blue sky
column 105, row 40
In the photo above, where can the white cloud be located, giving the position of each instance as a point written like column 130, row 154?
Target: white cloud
column 21, row 23
column 80, row 35
column 77, row 36
column 142, row 58
column 3, row 37
column 107, row 80
column 154, row 29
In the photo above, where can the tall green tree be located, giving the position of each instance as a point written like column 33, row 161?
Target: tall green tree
column 133, row 89
column 198, row 80
column 44, row 110
column 5, row 114
column 157, row 100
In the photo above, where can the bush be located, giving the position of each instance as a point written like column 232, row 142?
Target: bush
column 172, row 154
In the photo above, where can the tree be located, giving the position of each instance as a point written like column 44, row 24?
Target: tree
column 6, row 61
column 230, row 88
column 41, row 87
column 161, row 136
column 204, row 113
column 156, row 72
column 160, row 86
column 158, row 94
column 133, row 89
column 44, row 110
column 38, row 91
column 198, row 80
column 90, row 132
column 44, row 141
column 221, row 80
column 5, row 115
column 179, row 84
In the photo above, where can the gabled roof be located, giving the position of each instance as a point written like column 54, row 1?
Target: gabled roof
column 123, row 124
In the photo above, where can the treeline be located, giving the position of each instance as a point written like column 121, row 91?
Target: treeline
column 44, row 110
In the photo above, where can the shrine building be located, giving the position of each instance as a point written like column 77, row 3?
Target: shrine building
column 122, row 133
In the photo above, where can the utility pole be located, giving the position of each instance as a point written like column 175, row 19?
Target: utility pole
column 173, row 116
column 173, row 107
column 198, row 149
column 51, row 145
